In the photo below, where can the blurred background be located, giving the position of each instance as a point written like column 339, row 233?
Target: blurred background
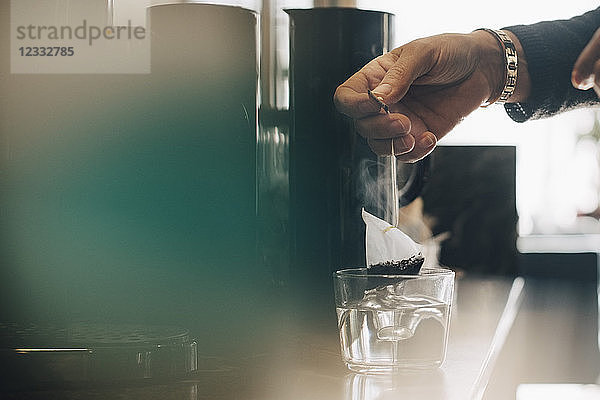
column 557, row 165
column 164, row 197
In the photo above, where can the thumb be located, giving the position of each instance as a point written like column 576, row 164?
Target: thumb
column 411, row 62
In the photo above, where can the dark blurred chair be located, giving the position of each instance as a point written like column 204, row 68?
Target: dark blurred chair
column 471, row 194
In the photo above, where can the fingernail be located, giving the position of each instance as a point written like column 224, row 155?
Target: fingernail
column 586, row 83
column 402, row 145
column 382, row 89
column 427, row 141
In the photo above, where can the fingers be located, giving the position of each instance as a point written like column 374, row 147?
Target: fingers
column 586, row 71
column 595, row 77
column 406, row 147
column 389, row 76
column 351, row 97
column 423, row 146
column 354, row 104
column 380, row 130
column 383, row 147
column 383, row 126
column 410, row 62
column 412, row 138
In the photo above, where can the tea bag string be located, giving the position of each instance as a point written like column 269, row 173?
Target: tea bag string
column 394, row 188
column 392, row 168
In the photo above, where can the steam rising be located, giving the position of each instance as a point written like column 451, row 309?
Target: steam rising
column 374, row 193
column 373, row 188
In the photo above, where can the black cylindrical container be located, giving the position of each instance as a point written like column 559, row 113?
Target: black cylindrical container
column 327, row 45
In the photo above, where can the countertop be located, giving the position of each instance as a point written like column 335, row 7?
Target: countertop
column 300, row 359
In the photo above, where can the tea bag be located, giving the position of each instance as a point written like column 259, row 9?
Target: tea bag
column 388, row 249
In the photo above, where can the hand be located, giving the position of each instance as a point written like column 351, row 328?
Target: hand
column 586, row 71
column 430, row 84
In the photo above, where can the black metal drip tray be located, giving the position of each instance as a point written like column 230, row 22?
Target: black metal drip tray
column 88, row 353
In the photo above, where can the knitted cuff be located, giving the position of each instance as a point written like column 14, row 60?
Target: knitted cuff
column 540, row 67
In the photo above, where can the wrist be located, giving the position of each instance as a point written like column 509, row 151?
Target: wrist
column 523, row 87
column 491, row 63
column 493, row 66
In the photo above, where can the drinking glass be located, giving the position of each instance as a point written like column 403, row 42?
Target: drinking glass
column 389, row 322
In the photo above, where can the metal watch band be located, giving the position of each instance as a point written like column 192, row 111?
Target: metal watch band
column 510, row 66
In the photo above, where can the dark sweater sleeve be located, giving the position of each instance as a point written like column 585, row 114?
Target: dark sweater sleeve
column 551, row 49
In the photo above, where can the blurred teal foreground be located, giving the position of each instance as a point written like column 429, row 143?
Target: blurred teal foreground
column 132, row 198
